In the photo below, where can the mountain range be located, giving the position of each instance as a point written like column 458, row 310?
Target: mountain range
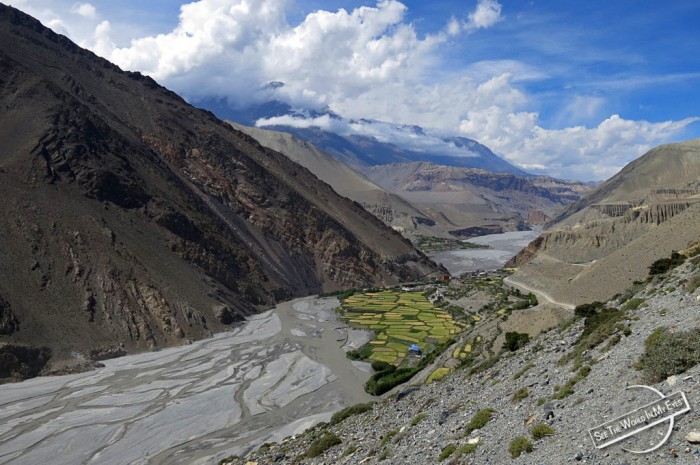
column 135, row 221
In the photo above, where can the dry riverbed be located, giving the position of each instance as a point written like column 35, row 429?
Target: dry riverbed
column 278, row 374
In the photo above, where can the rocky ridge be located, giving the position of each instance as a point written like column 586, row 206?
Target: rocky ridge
column 422, row 424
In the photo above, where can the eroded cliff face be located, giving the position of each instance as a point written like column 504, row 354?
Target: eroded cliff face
column 609, row 238
column 133, row 221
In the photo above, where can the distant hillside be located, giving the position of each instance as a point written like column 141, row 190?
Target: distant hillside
column 479, row 201
column 134, row 221
column 390, row 208
column 608, row 239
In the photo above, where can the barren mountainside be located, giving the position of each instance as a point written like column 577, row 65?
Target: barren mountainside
column 132, row 220
column 388, row 207
column 608, row 239
column 475, row 201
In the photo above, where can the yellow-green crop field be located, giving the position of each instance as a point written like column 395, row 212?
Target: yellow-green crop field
column 399, row 319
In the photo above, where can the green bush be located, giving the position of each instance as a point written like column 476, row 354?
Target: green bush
column 633, row 304
column 466, row 449
column 532, row 298
column 668, row 354
column 520, row 394
column 480, row 419
column 349, row 411
column 515, row 341
column 363, row 353
column 519, row 445
column 322, row 444
column 663, row 265
column 541, row 430
column 447, row 451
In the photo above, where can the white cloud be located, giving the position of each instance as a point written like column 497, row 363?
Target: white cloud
column 369, row 63
column 84, row 9
column 487, row 13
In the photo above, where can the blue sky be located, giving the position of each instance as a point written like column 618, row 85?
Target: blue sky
column 568, row 88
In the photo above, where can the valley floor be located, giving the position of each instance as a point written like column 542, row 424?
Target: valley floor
column 278, row 374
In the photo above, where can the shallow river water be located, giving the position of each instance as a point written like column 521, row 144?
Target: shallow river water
column 281, row 372
column 502, row 248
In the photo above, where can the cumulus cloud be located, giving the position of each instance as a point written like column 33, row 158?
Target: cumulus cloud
column 84, row 9
column 487, row 13
column 368, row 62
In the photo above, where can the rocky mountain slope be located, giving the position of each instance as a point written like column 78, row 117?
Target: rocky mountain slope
column 133, row 221
column 536, row 404
column 392, row 209
column 477, row 201
column 608, row 239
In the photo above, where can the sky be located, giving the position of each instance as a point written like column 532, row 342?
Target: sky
column 567, row 88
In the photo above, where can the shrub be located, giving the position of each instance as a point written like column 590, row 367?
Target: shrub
column 480, row 419
column 633, row 304
column 670, row 354
column 418, row 418
column 515, row 341
column 663, row 265
column 520, row 394
column 532, row 298
column 587, row 310
column 322, row 444
column 447, row 451
column 350, row 411
column 519, row 445
column 363, row 353
column 566, row 391
column 466, row 449
column 541, row 430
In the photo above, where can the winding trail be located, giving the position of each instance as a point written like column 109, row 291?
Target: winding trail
column 540, row 294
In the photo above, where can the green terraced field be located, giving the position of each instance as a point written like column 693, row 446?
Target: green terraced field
column 399, row 319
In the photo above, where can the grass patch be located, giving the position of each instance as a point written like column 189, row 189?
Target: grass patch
column 322, row 444
column 466, row 449
column 447, row 451
column 387, row 437
column 356, row 409
column 633, row 304
column 519, row 445
column 519, row 395
column 480, row 419
column 541, row 430
column 437, row 375
column 418, row 418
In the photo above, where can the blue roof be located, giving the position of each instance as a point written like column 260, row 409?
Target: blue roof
column 414, row 347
